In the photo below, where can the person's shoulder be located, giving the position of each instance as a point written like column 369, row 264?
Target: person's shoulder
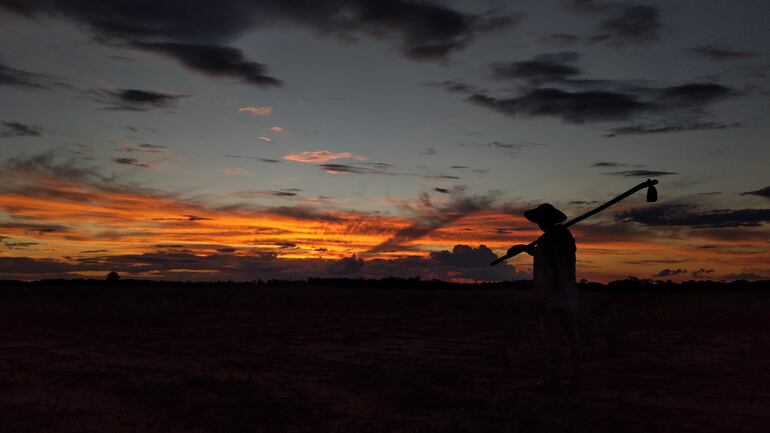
column 563, row 233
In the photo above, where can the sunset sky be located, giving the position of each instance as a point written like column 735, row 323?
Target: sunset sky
column 260, row 139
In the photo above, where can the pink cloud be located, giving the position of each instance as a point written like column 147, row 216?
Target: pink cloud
column 265, row 139
column 318, row 156
column 275, row 129
column 259, row 111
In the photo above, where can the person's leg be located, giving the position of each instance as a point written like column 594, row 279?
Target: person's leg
column 552, row 332
column 569, row 323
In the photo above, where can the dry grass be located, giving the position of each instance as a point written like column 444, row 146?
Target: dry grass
column 307, row 358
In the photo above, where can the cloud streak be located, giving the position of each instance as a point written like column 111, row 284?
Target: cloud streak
column 17, row 129
column 134, row 99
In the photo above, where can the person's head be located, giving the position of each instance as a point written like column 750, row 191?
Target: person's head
column 545, row 216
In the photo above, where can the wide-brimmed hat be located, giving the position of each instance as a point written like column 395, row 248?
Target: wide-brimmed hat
column 545, row 214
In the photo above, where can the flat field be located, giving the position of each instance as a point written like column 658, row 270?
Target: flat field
column 304, row 357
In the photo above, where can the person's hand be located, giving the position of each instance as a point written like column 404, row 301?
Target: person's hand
column 516, row 249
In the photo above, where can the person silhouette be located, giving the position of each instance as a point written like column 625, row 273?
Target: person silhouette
column 553, row 272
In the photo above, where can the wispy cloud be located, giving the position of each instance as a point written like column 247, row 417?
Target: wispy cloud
column 134, row 99
column 641, row 173
column 18, row 78
column 720, row 54
column 264, row 139
column 129, row 146
column 17, row 129
column 130, row 161
column 276, row 129
column 762, row 192
column 668, row 127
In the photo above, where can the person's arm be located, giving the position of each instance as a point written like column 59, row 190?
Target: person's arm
column 521, row 248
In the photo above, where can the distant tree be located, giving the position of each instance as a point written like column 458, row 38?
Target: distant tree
column 113, row 276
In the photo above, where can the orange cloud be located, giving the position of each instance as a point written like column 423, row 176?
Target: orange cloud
column 276, row 129
column 71, row 219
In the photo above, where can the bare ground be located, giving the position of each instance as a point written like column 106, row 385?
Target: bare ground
column 320, row 359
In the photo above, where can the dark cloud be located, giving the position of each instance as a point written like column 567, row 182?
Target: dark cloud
column 692, row 94
column 16, row 129
column 146, row 148
column 184, row 218
column 286, row 245
column 744, row 276
column 543, row 68
column 218, row 61
column 763, row 192
column 441, row 190
column 263, row 193
column 347, row 266
column 675, row 214
column 441, row 176
column 194, row 33
column 34, row 228
column 53, row 166
column 668, row 128
column 428, row 151
column 284, row 194
column 550, row 88
column 670, row 272
column 196, row 218
column 701, row 273
column 717, row 54
column 641, row 173
column 620, row 23
column 609, row 164
column 22, row 79
column 362, row 168
column 631, row 24
column 573, row 107
column 130, row 161
column 134, row 99
column 470, row 263
column 174, row 262
column 268, row 160
column 347, row 168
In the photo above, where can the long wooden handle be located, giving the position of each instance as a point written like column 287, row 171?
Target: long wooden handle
column 646, row 184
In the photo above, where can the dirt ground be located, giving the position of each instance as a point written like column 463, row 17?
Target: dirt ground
column 319, row 359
